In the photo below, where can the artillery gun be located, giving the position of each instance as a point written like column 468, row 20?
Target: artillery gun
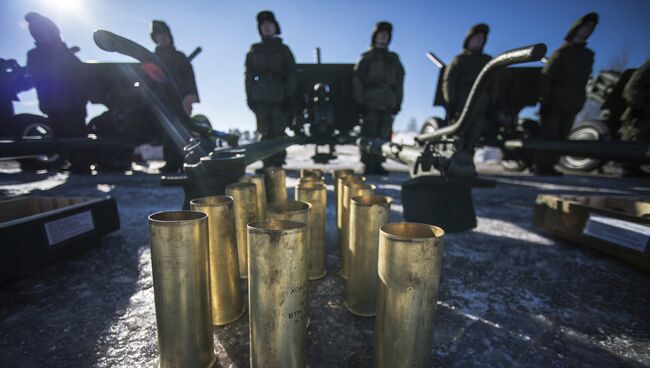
column 441, row 160
column 605, row 89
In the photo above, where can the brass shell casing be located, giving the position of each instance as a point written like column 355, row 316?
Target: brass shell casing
column 351, row 189
column 315, row 193
column 181, row 283
column 367, row 214
column 225, row 293
column 410, row 256
column 245, row 203
column 276, row 185
column 339, row 175
column 296, row 211
column 260, row 188
column 277, row 288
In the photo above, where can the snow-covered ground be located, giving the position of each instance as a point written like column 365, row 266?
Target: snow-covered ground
column 510, row 295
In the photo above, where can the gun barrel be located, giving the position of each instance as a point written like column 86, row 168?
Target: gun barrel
column 194, row 53
column 631, row 152
column 436, row 60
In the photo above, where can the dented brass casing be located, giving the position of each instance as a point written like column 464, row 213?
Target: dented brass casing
column 368, row 213
column 410, row 256
column 277, row 289
column 225, row 293
column 352, row 188
column 181, row 283
column 276, row 185
column 245, row 203
column 315, row 193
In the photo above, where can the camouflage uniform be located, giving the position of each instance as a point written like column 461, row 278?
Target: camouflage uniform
column 270, row 86
column 461, row 73
column 459, row 78
column 636, row 118
column 378, row 91
column 182, row 72
column 563, row 83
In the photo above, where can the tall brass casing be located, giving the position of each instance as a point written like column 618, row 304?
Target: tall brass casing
column 350, row 189
column 277, row 289
column 245, row 202
column 276, row 185
column 367, row 214
column 296, row 211
column 260, row 188
column 314, row 173
column 225, row 294
column 410, row 257
column 181, row 284
column 315, row 193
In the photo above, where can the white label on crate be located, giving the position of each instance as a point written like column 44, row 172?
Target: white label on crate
column 69, row 227
column 621, row 232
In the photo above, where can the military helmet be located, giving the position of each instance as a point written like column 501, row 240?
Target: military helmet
column 267, row 15
column 591, row 17
column 381, row 26
column 159, row 26
column 476, row 29
column 42, row 28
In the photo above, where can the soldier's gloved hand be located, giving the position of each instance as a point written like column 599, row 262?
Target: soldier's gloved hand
column 285, row 104
column 362, row 109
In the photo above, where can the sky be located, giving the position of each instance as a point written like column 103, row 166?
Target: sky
column 342, row 29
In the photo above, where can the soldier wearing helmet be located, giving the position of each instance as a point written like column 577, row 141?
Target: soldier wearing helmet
column 58, row 76
column 461, row 73
column 378, row 91
column 562, row 87
column 182, row 73
column 270, row 81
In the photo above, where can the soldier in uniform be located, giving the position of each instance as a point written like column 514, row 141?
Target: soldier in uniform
column 562, row 87
column 378, row 90
column 270, row 81
column 181, row 70
column 461, row 73
column 57, row 75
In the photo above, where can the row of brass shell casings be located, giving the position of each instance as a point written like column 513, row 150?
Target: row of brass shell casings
column 408, row 265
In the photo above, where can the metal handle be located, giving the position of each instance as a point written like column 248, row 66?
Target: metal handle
column 516, row 56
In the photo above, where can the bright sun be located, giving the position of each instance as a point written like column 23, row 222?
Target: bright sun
column 65, row 5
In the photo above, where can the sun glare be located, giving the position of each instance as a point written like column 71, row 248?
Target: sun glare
column 64, row 5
